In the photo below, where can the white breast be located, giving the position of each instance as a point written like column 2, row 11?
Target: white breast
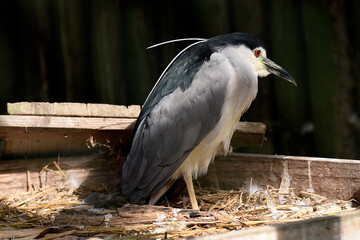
column 242, row 89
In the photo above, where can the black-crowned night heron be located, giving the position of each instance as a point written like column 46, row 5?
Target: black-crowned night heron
column 191, row 113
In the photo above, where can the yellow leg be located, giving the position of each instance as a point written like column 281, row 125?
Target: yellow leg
column 190, row 188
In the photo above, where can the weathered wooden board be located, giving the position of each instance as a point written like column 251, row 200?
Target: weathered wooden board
column 35, row 136
column 90, row 170
column 344, row 226
column 248, row 134
column 22, row 234
column 34, row 142
column 43, row 129
column 333, row 178
column 98, row 123
column 134, row 217
column 73, row 109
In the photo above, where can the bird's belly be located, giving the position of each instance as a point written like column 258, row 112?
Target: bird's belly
column 216, row 142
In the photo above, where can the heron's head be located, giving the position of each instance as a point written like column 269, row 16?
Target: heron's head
column 253, row 50
column 264, row 66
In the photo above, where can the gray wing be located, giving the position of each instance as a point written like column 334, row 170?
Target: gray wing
column 170, row 129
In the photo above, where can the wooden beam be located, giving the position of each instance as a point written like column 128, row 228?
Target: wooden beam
column 30, row 233
column 73, row 109
column 248, row 134
column 35, row 142
column 51, row 128
column 98, row 123
column 340, row 226
column 90, row 170
column 333, row 178
column 132, row 217
column 35, row 136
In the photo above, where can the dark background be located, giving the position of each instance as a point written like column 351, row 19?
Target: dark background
column 95, row 52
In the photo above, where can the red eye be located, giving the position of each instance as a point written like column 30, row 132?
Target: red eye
column 257, row 53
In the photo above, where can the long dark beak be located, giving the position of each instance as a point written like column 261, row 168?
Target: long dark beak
column 273, row 68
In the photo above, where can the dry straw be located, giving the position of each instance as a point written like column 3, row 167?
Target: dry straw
column 232, row 210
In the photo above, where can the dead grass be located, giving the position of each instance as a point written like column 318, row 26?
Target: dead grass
column 239, row 209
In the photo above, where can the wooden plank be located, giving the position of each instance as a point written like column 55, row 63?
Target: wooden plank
column 137, row 217
column 67, row 122
column 340, row 226
column 24, row 234
column 35, row 136
column 35, row 142
column 253, row 128
column 248, row 134
column 73, row 109
column 87, row 170
column 333, row 178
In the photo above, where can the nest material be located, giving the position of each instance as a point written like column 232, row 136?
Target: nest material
column 226, row 210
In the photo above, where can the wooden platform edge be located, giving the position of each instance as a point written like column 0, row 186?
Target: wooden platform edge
column 73, row 109
column 46, row 135
column 333, row 178
column 340, row 226
column 98, row 123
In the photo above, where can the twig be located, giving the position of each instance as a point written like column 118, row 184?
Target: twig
column 62, row 173
column 42, row 170
column 313, row 195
